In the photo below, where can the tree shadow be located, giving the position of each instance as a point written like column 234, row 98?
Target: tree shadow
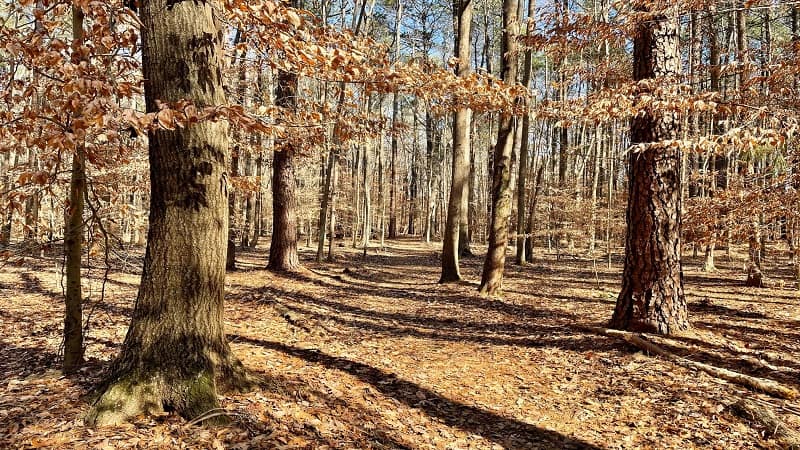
column 724, row 311
column 504, row 431
column 562, row 331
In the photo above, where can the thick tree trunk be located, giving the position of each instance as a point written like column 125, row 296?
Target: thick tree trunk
column 73, row 240
column 283, row 246
column 458, row 204
column 176, row 347
column 494, row 264
column 652, row 297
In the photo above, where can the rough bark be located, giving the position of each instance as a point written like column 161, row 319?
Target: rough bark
column 458, row 204
column 283, row 246
column 652, row 297
column 176, row 347
column 522, row 238
column 7, row 216
column 494, row 263
column 395, row 124
column 73, row 240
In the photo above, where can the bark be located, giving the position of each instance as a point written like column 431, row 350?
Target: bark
column 708, row 264
column 413, row 181
column 7, row 216
column 393, row 168
column 598, row 153
column 531, row 222
column 522, row 238
column 366, row 231
column 334, row 182
column 755, row 277
column 356, row 160
column 325, row 205
column 494, row 263
column 652, row 297
column 175, row 347
column 73, row 239
column 283, row 245
column 766, row 422
column 395, row 125
column 458, row 204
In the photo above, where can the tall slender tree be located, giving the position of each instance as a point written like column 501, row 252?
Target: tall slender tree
column 175, row 348
column 73, row 236
column 652, row 297
column 458, row 204
column 494, row 264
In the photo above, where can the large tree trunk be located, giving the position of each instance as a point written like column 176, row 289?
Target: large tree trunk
column 73, row 240
column 652, row 297
column 458, row 204
column 494, row 264
column 176, row 347
column 283, row 246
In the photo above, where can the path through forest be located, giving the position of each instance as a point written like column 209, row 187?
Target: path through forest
column 372, row 353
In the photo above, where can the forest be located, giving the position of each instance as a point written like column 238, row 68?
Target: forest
column 400, row 224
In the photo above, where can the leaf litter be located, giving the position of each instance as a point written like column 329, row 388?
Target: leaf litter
column 373, row 354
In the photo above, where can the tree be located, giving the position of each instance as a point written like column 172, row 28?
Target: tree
column 283, row 246
column 494, row 264
column 652, row 297
column 459, row 191
column 175, row 346
column 73, row 237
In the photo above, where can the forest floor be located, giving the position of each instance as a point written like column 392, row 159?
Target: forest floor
column 373, row 353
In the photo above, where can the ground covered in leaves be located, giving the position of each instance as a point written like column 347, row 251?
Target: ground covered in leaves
column 372, row 353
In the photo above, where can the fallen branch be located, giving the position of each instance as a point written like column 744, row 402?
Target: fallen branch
column 766, row 420
column 767, row 386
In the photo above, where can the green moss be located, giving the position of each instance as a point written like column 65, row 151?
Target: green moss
column 125, row 398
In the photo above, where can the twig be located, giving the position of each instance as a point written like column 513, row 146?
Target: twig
column 210, row 414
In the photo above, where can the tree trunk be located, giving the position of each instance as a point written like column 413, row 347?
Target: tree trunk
column 522, row 238
column 652, row 297
column 230, row 253
column 73, row 239
column 598, row 153
column 176, row 347
column 283, row 245
column 333, row 192
column 531, row 221
column 459, row 188
column 7, row 217
column 395, row 126
column 494, row 264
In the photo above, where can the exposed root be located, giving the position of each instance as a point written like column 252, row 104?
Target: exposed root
column 133, row 394
column 770, row 387
column 768, row 422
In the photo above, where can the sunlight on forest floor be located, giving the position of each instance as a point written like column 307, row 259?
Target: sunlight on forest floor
column 372, row 353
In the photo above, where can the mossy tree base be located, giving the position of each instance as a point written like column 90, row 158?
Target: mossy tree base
column 134, row 393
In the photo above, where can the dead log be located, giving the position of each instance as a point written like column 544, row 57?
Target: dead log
column 766, row 421
column 770, row 387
